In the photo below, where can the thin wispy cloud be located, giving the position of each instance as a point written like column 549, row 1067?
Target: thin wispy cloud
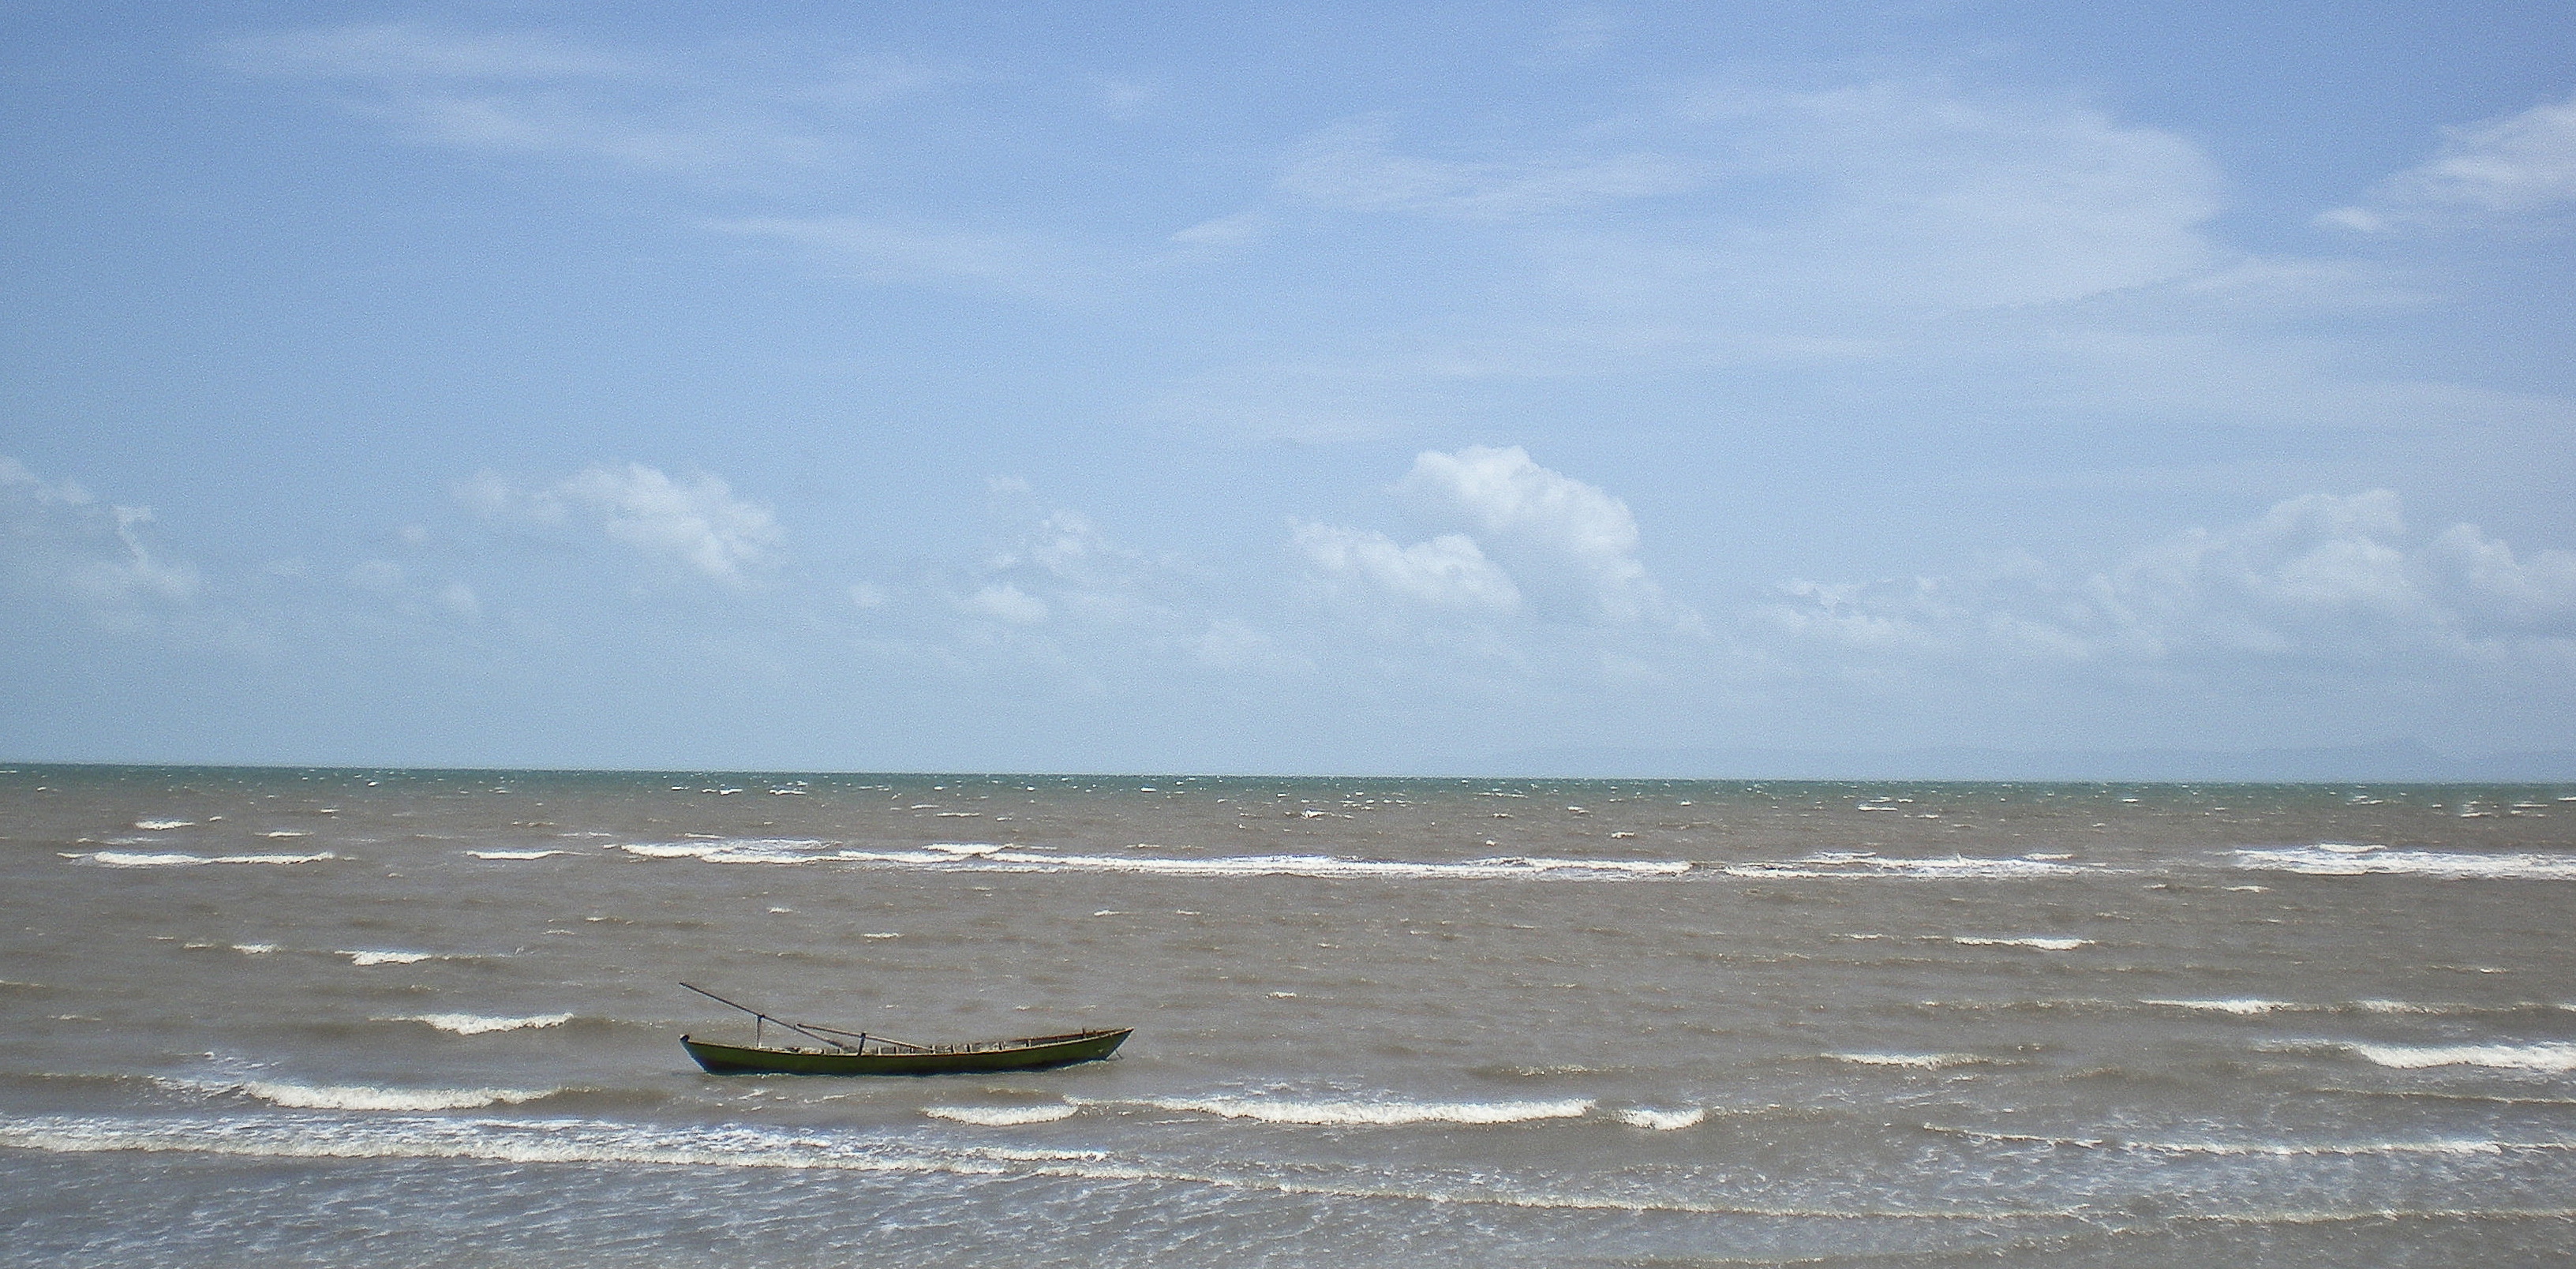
column 537, row 93
column 1013, row 262
column 2516, row 170
column 696, row 525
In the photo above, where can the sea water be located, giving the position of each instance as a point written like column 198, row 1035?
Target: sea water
column 398, row 1017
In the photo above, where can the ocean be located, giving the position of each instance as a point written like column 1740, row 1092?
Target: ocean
column 407, row 1017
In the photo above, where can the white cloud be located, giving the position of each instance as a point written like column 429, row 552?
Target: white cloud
column 2316, row 582
column 60, row 539
column 1018, row 263
column 413, row 52
column 1004, row 602
column 1231, row 644
column 1920, row 192
column 698, row 524
column 1448, row 571
column 458, row 599
column 1349, row 165
column 2513, row 167
column 536, row 93
column 1550, row 522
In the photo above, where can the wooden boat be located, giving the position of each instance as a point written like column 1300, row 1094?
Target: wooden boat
column 838, row 1052
column 875, row 1056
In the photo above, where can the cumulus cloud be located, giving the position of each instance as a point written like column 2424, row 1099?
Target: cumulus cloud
column 2316, row 581
column 1448, row 571
column 1550, row 524
column 2515, row 167
column 697, row 524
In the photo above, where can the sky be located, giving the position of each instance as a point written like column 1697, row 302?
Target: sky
column 1328, row 388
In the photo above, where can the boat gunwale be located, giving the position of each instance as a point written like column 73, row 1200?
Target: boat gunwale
column 962, row 1048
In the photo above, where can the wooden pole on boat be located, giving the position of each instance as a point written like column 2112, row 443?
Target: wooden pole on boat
column 758, row 1017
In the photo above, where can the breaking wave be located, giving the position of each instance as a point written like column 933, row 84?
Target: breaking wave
column 2264, row 1149
column 1662, row 1120
column 181, row 859
column 2043, row 944
column 1861, row 863
column 2551, row 1056
column 1002, row 1116
column 388, row 956
column 989, row 857
column 2335, row 859
column 1372, row 1111
column 479, row 1024
column 1916, row 1061
column 361, row 1096
column 515, row 854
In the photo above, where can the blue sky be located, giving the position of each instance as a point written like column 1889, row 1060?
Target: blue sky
column 1311, row 389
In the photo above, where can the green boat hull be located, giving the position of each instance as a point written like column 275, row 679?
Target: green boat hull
column 1001, row 1055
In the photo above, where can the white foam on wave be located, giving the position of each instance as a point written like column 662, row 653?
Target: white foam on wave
column 2268, row 1149
column 1368, row 1111
column 2552, row 1056
column 2336, row 860
column 181, row 859
column 359, row 1096
column 731, row 850
column 286, row 832
column 480, row 1024
column 387, row 956
column 2242, row 1006
column 163, row 826
column 365, row 1097
column 515, row 854
column 1914, row 1061
column 254, row 949
column 1662, row 1120
column 2032, row 940
column 1868, row 864
column 989, row 857
column 1002, row 1116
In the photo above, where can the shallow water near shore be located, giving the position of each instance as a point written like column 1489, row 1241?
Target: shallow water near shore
column 381, row 1017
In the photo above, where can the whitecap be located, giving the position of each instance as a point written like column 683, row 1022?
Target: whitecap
column 1371, row 1111
column 367, row 1097
column 479, row 1024
column 254, row 949
column 730, row 850
column 2243, row 1006
column 1916, row 1061
column 382, row 957
column 1662, row 1120
column 163, row 826
column 1002, row 1116
column 138, row 859
column 181, row 859
column 2329, row 860
column 2043, row 944
column 1951, row 868
column 2551, row 1056
column 1023, row 859
column 515, row 854
column 287, row 832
